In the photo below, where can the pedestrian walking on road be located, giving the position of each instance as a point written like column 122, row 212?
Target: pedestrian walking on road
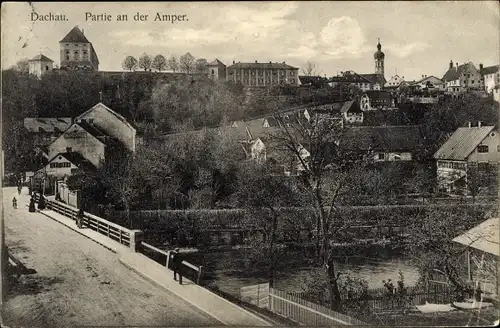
column 14, row 202
column 32, row 204
column 177, row 262
column 19, row 188
column 79, row 218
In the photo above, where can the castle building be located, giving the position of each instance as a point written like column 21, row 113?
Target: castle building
column 77, row 53
column 40, row 65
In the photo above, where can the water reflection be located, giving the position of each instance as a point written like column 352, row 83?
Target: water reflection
column 230, row 270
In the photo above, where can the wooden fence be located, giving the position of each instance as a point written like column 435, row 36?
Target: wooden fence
column 381, row 300
column 255, row 294
column 125, row 237
column 307, row 313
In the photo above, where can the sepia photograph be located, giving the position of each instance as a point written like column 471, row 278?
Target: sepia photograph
column 250, row 164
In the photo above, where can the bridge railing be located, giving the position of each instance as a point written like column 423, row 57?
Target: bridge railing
column 189, row 270
column 124, row 236
column 127, row 237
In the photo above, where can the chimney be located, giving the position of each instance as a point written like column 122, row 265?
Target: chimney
column 480, row 67
column 451, row 64
column 457, row 66
column 478, row 124
column 233, row 62
column 256, row 62
column 270, row 62
column 82, row 32
column 470, row 125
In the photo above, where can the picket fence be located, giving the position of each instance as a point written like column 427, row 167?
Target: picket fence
column 307, row 313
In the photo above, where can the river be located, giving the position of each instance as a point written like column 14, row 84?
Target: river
column 230, row 270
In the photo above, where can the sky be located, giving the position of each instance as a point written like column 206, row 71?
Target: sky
column 417, row 37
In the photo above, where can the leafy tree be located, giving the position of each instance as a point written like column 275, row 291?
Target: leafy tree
column 173, row 64
column 159, row 63
column 145, row 62
column 129, row 63
column 187, row 63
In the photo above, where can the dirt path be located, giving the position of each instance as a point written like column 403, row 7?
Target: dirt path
column 79, row 282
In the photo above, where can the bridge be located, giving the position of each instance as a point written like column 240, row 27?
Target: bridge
column 96, row 276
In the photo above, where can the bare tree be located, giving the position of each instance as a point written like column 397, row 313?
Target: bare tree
column 311, row 69
column 130, row 63
column 187, row 63
column 22, row 66
column 201, row 66
column 173, row 64
column 327, row 168
column 145, row 62
column 159, row 63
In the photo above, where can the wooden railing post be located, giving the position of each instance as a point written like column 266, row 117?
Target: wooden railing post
column 200, row 269
column 168, row 259
column 136, row 238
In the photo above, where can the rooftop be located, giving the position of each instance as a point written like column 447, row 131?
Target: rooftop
column 75, row 35
column 462, row 142
column 384, row 138
column 269, row 65
column 484, row 237
column 49, row 124
column 41, row 57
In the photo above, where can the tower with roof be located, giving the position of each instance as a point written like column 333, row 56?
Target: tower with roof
column 40, row 65
column 379, row 59
column 217, row 70
column 77, row 52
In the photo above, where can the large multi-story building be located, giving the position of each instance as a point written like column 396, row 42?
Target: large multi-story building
column 462, row 78
column 491, row 77
column 77, row 53
column 262, row 74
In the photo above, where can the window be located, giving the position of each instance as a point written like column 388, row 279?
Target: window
column 213, row 72
column 67, row 57
column 381, row 156
column 482, row 166
column 91, row 120
column 84, row 52
column 46, row 67
column 67, row 52
column 482, row 149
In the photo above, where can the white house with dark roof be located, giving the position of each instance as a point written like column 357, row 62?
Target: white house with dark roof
column 40, row 65
column 467, row 148
column 111, row 123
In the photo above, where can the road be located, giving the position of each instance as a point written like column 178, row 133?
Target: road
column 78, row 282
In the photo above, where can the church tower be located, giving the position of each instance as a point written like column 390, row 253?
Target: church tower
column 379, row 59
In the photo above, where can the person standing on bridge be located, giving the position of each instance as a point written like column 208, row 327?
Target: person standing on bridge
column 177, row 262
column 79, row 218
